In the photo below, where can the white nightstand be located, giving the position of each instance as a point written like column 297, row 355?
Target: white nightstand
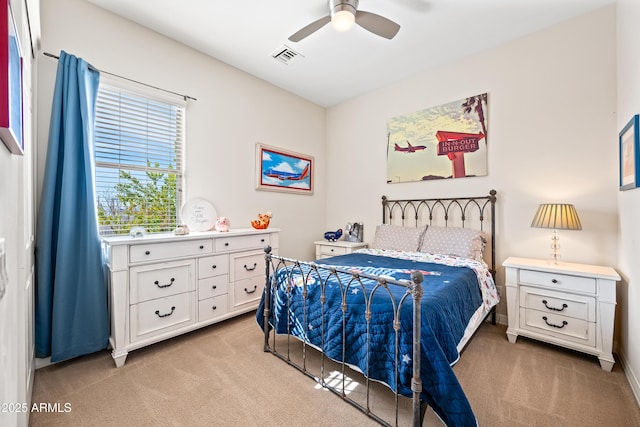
column 325, row 248
column 571, row 305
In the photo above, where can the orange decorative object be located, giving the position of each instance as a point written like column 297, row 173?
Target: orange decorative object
column 262, row 222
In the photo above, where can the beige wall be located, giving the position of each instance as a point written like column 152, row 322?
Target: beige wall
column 628, row 15
column 552, row 138
column 232, row 113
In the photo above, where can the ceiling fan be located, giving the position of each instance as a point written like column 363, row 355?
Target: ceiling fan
column 343, row 14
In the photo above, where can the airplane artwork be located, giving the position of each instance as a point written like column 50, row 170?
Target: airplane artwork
column 284, row 171
column 409, row 148
column 287, row 176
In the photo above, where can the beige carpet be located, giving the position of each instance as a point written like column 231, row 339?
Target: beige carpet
column 219, row 376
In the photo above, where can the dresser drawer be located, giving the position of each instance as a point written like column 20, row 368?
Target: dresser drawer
column 161, row 315
column 247, row 265
column 212, row 286
column 213, row 266
column 169, row 250
column 561, row 282
column 575, row 306
column 326, row 250
column 211, row 308
column 161, row 280
column 562, row 327
column 236, row 243
column 247, row 291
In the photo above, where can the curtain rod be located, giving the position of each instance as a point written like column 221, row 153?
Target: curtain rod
column 51, row 55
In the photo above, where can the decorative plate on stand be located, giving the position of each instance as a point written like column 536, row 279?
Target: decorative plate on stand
column 199, row 215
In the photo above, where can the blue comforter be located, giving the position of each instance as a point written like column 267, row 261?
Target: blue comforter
column 451, row 296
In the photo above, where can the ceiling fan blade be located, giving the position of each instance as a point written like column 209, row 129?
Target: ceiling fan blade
column 377, row 24
column 310, row 29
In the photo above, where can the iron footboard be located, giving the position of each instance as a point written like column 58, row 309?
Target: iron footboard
column 347, row 279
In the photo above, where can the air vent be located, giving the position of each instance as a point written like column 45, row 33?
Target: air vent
column 286, row 55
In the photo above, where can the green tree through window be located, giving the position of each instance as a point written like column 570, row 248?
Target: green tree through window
column 138, row 150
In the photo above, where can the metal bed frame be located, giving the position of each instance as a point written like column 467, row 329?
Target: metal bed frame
column 455, row 211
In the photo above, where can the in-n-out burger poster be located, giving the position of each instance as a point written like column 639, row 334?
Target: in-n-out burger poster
column 447, row 141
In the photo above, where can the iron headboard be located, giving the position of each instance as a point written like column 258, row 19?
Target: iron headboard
column 470, row 212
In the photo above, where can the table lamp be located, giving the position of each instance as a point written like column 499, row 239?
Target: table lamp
column 556, row 216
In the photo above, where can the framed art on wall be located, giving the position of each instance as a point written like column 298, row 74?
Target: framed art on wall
column 283, row 170
column 11, row 119
column 629, row 142
column 447, row 141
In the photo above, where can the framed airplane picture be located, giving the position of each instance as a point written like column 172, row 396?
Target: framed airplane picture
column 283, row 170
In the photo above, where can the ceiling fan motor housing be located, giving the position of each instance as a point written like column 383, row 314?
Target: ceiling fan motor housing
column 339, row 5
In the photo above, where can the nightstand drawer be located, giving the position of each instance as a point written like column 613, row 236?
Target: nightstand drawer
column 543, row 300
column 555, row 325
column 332, row 250
column 562, row 282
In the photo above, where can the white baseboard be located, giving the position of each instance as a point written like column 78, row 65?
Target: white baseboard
column 42, row 362
column 631, row 376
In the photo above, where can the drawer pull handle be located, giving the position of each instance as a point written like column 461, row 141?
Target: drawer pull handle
column 544, row 301
column 262, row 240
column 201, row 246
column 165, row 286
column 564, row 323
column 554, row 280
column 147, row 252
column 214, row 308
column 166, row 314
column 214, row 266
column 226, row 244
column 214, row 287
column 250, row 268
column 255, row 287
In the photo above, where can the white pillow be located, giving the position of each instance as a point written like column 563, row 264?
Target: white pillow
column 457, row 241
column 395, row 237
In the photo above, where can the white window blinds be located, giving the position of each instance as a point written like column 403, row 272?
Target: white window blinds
column 139, row 143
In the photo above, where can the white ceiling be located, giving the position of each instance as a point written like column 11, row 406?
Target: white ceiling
column 340, row 66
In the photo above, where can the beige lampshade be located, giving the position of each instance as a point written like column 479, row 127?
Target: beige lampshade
column 557, row 216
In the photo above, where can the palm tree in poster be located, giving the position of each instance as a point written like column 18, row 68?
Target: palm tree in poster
column 474, row 103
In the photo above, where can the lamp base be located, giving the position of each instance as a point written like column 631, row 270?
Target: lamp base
column 555, row 247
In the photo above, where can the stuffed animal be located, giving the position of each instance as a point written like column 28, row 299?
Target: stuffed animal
column 262, row 222
column 332, row 236
column 222, row 224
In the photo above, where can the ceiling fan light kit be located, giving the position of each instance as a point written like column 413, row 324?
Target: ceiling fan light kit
column 343, row 14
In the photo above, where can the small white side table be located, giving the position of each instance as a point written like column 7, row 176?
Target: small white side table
column 570, row 305
column 325, row 248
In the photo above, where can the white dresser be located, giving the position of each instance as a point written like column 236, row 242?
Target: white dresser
column 571, row 305
column 163, row 285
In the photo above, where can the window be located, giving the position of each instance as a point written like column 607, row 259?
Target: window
column 139, row 138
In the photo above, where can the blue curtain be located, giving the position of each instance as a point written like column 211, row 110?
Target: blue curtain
column 71, row 313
